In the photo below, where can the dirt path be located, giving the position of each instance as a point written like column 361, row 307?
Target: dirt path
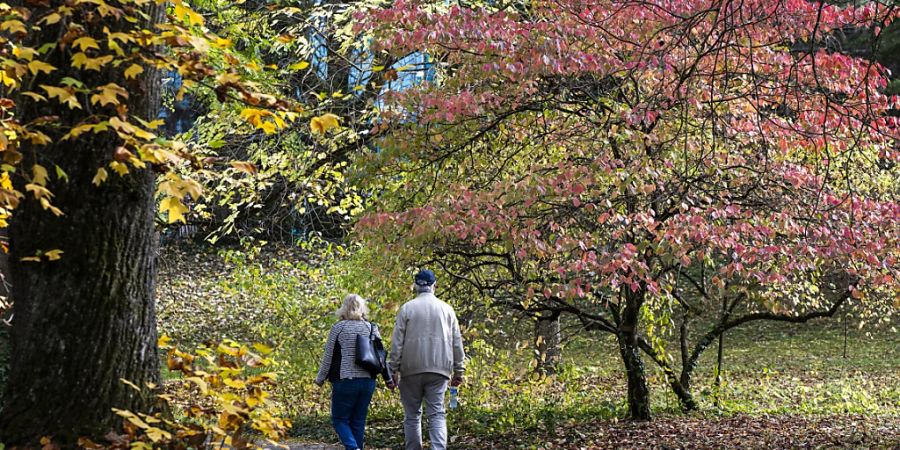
column 305, row 446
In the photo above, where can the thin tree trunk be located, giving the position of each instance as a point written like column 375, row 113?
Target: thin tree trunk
column 846, row 328
column 547, row 343
column 680, row 385
column 720, row 354
column 85, row 321
column 638, row 391
column 719, row 357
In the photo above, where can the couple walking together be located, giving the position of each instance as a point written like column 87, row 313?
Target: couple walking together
column 426, row 355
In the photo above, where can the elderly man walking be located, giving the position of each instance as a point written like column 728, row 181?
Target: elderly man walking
column 426, row 354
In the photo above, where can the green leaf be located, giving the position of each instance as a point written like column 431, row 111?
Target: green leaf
column 61, row 174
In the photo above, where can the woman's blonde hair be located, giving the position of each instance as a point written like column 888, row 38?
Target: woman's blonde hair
column 354, row 308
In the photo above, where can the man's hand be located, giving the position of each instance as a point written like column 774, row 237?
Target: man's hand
column 456, row 381
column 391, row 386
column 319, row 383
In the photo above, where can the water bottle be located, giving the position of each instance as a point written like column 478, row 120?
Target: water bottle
column 454, row 394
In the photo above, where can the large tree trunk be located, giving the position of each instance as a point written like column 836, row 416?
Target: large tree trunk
column 548, row 344
column 638, row 391
column 87, row 320
column 4, row 315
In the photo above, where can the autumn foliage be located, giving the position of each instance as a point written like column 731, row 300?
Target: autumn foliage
column 623, row 161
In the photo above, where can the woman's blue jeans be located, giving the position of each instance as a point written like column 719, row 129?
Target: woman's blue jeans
column 350, row 400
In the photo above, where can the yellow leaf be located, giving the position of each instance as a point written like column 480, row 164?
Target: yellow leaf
column 38, row 138
column 262, row 378
column 121, row 126
column 53, row 255
column 193, row 188
column 200, row 382
column 120, row 168
column 63, row 95
column 109, row 95
column 228, row 348
column 7, row 80
column 144, row 134
column 74, row 132
column 153, row 124
column 26, row 53
column 253, row 115
column 130, row 384
column 163, row 341
column 131, row 417
column 158, row 435
column 223, row 43
column 85, row 43
column 267, row 127
column 50, row 19
column 262, row 348
column 37, row 97
column 39, row 175
column 193, row 17
column 30, row 259
column 100, row 177
column 235, row 383
column 117, row 36
column 299, row 65
column 170, row 186
column 133, row 71
column 38, row 191
column 244, row 166
column 174, row 208
column 37, row 66
column 45, row 203
column 323, row 123
column 13, row 26
column 377, row 68
column 5, row 182
column 228, row 78
column 81, row 60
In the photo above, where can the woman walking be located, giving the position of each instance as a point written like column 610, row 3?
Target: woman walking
column 351, row 385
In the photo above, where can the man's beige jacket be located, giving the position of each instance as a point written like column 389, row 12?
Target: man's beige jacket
column 426, row 339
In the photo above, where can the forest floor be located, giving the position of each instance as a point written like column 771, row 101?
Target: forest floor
column 739, row 432
column 785, row 388
column 821, row 385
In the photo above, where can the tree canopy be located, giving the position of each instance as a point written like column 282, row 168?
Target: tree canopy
column 618, row 159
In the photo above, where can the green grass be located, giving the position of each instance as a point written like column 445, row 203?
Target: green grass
column 769, row 369
column 780, row 368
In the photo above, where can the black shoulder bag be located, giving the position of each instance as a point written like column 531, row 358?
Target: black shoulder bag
column 370, row 354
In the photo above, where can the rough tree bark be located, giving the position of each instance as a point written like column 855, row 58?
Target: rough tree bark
column 638, row 391
column 547, row 343
column 85, row 321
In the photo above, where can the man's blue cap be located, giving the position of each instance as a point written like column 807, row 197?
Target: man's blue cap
column 425, row 277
